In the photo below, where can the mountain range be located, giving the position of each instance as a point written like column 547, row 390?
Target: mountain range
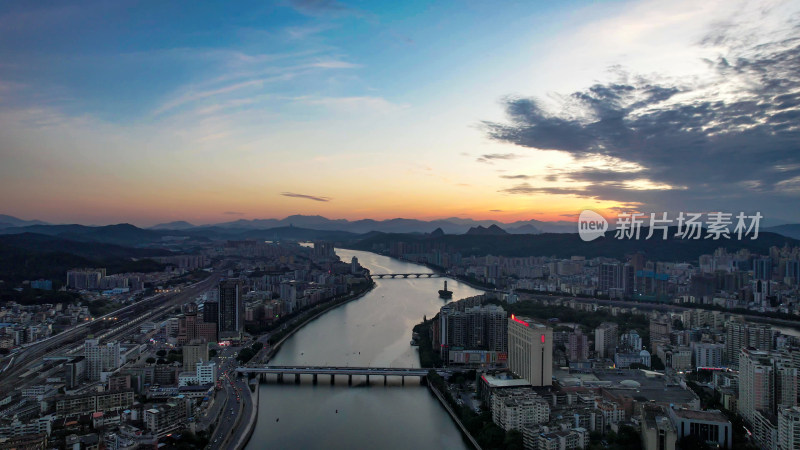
column 126, row 234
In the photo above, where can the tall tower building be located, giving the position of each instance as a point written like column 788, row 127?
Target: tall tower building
column 231, row 308
column 530, row 350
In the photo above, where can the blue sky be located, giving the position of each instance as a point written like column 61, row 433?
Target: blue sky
column 152, row 111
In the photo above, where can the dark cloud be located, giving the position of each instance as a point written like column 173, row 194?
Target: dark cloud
column 307, row 197
column 495, row 210
column 516, row 177
column 676, row 144
column 233, row 213
column 497, row 156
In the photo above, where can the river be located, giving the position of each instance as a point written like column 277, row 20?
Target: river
column 375, row 331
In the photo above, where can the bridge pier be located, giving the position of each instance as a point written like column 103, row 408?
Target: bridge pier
column 333, row 377
column 403, row 381
column 297, row 378
column 349, row 380
column 314, row 378
column 384, row 379
column 367, row 380
column 280, row 378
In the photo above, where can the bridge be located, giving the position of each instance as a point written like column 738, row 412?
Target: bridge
column 405, row 275
column 314, row 371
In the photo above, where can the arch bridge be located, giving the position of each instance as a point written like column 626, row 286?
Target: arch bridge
column 405, row 275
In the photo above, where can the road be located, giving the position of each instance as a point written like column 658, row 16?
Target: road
column 235, row 404
column 664, row 307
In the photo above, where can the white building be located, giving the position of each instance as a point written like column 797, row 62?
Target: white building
column 205, row 373
column 513, row 409
column 101, row 359
column 789, row 428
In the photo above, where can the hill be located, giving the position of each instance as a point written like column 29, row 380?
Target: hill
column 31, row 256
column 788, row 230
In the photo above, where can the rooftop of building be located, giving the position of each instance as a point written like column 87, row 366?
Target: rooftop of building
column 504, row 381
column 711, row 415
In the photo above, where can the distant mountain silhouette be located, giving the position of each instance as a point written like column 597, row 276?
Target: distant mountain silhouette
column 437, row 232
column 177, row 225
column 493, row 230
column 7, row 221
column 452, row 225
column 788, row 230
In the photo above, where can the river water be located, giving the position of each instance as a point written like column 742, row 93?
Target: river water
column 372, row 331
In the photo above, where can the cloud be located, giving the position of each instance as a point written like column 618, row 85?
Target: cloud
column 495, row 210
column 233, row 213
column 516, row 177
column 727, row 140
column 307, row 197
column 488, row 158
column 353, row 104
column 320, row 7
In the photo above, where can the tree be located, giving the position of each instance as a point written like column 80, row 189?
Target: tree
column 150, row 360
column 161, row 353
column 513, row 440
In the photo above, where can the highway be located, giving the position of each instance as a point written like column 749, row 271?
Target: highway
column 235, row 404
column 109, row 327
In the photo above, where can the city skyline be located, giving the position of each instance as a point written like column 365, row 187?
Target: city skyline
column 508, row 112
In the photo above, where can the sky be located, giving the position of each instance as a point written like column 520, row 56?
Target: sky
column 149, row 112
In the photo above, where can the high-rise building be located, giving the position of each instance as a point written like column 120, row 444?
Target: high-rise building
column 192, row 327
column 231, row 308
column 762, row 269
column 100, row 358
column 210, row 312
column 789, row 428
column 741, row 335
column 708, row 355
column 767, row 382
column 530, row 350
column 472, row 327
column 660, row 330
column 605, row 339
column 578, row 346
column 193, row 354
column 792, row 272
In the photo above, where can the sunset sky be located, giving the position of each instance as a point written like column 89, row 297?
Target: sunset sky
column 148, row 112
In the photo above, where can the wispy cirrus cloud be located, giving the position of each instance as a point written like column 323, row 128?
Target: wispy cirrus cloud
column 488, row 158
column 233, row 213
column 307, row 197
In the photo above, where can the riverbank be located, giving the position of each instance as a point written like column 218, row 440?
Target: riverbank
column 337, row 303
column 251, row 425
column 455, row 417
